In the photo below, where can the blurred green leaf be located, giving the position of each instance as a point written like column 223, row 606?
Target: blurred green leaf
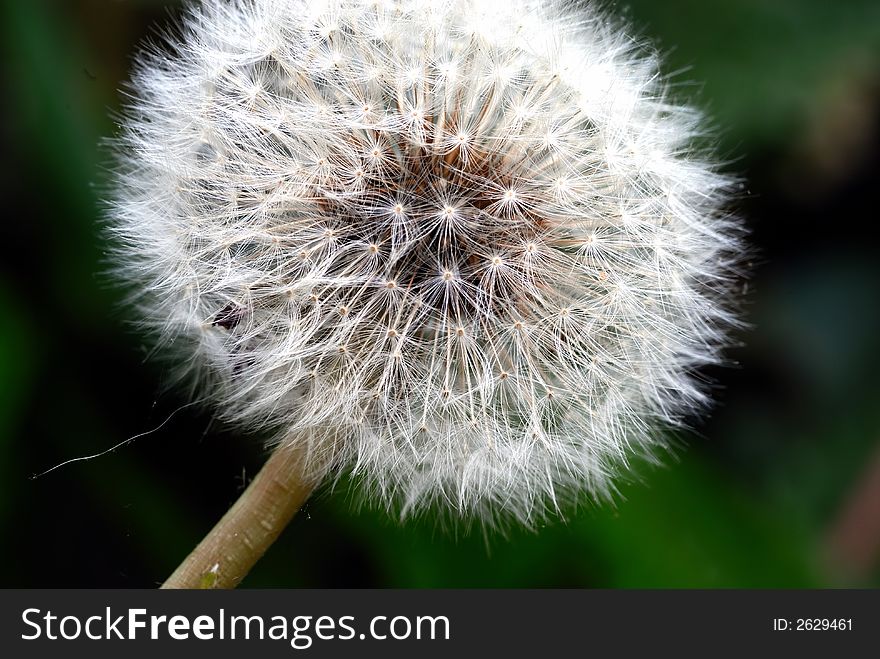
column 18, row 362
column 61, row 118
column 762, row 66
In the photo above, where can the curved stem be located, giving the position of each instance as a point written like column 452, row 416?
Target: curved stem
column 248, row 528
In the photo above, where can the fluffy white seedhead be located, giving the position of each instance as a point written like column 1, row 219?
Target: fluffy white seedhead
column 461, row 248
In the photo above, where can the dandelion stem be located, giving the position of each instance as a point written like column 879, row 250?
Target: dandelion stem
column 229, row 551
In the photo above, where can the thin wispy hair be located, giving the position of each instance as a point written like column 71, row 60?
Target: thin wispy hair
column 467, row 250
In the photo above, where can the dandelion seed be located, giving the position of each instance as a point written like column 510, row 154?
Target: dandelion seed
column 497, row 256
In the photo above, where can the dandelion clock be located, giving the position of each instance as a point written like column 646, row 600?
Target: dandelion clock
column 465, row 250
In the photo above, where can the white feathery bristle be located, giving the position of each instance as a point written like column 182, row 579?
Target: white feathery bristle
column 464, row 249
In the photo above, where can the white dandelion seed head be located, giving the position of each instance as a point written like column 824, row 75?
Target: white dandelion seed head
column 464, row 249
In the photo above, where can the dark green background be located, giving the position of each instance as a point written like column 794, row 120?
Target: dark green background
column 751, row 499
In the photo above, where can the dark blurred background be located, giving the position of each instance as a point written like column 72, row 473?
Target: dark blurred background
column 780, row 486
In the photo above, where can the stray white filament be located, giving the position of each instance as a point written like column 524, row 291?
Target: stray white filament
column 124, row 442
